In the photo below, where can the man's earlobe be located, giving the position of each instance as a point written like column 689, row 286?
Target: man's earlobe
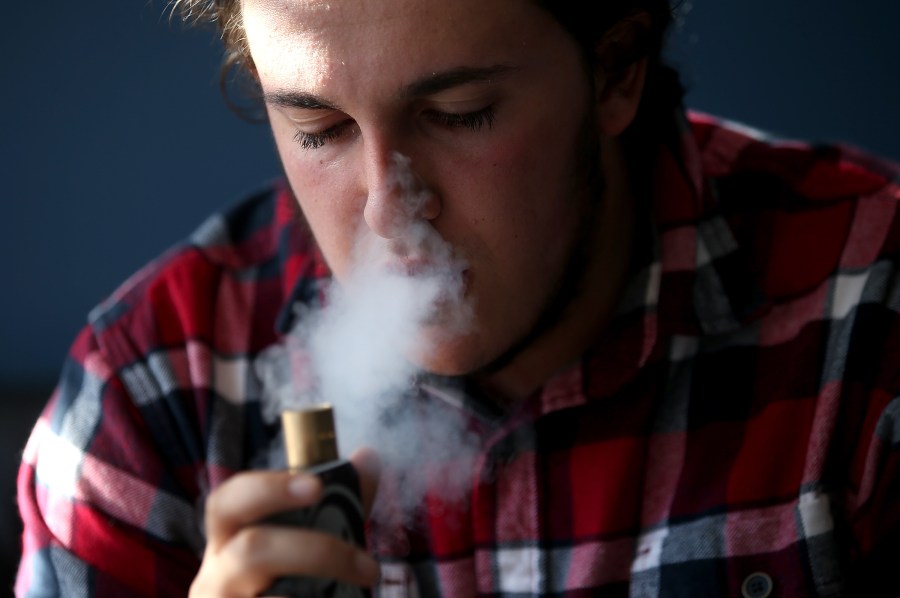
column 620, row 72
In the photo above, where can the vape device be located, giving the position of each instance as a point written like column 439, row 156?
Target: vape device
column 311, row 446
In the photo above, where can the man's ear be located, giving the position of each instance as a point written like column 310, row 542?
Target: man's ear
column 620, row 72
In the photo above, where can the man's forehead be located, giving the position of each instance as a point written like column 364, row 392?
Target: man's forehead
column 306, row 42
column 377, row 48
column 286, row 38
column 310, row 15
column 284, row 14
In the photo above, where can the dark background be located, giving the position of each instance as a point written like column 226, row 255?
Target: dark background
column 116, row 143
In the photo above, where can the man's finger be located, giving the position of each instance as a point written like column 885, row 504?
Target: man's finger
column 265, row 552
column 249, row 497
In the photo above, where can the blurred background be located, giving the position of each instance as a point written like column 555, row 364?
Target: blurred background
column 116, row 143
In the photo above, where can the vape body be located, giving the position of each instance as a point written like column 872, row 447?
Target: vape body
column 311, row 446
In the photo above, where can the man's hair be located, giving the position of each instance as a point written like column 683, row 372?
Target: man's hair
column 662, row 93
column 652, row 19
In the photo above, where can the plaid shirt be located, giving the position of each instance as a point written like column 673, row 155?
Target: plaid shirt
column 734, row 431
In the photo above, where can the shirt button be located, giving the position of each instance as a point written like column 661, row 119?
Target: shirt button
column 757, row 585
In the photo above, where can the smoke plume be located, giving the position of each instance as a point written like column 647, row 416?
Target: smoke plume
column 357, row 350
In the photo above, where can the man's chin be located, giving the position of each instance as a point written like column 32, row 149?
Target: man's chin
column 445, row 355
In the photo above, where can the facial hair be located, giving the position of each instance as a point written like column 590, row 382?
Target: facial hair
column 588, row 187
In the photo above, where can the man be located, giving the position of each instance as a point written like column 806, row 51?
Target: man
column 677, row 343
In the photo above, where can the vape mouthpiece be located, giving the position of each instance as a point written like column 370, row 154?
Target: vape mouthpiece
column 309, row 437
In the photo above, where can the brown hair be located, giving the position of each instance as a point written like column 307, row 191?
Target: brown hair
column 663, row 93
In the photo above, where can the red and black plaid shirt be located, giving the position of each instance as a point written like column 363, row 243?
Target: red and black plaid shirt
column 735, row 430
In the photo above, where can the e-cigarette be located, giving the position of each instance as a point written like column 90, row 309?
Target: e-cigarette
column 311, row 445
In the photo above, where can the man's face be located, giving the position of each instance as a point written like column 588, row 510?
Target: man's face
column 487, row 102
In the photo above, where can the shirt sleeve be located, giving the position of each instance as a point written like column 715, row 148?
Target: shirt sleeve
column 104, row 513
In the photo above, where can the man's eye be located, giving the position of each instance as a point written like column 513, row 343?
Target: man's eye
column 311, row 141
column 469, row 120
column 474, row 121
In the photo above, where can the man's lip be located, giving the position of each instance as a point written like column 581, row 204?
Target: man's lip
column 422, row 267
column 410, row 267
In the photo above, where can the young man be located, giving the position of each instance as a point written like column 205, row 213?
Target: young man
column 677, row 342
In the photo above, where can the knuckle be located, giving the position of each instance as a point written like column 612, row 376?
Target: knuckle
column 218, row 500
column 248, row 545
column 213, row 506
column 216, row 512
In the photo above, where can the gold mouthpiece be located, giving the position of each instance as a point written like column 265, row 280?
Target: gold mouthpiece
column 309, row 437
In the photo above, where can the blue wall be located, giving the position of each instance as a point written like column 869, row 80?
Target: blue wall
column 822, row 70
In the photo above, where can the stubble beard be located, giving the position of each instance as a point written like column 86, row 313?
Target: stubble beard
column 588, row 187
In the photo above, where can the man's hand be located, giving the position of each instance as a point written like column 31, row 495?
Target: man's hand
column 244, row 557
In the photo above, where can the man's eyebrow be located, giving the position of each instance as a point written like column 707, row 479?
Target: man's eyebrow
column 297, row 99
column 435, row 83
column 439, row 82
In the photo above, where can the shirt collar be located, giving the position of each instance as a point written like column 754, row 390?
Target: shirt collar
column 725, row 296
column 690, row 276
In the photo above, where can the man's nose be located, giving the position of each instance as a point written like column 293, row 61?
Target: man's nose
column 397, row 195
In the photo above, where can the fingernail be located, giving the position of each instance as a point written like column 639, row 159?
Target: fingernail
column 368, row 567
column 303, row 486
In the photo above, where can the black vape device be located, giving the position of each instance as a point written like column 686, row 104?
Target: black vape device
column 311, row 446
